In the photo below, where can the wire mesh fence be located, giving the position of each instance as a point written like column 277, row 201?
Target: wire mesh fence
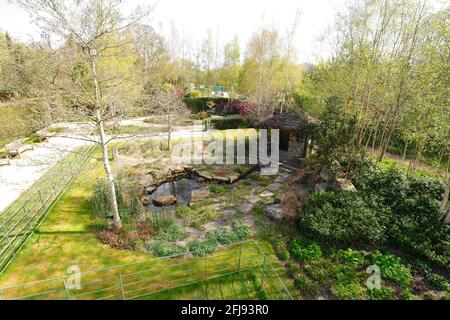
column 18, row 221
column 242, row 271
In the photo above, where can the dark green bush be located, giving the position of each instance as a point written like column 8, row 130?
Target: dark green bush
column 197, row 105
column 415, row 224
column 230, row 123
column 344, row 218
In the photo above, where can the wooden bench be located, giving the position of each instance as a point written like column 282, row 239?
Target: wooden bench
column 16, row 148
column 45, row 134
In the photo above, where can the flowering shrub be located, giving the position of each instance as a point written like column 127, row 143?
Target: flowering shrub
column 242, row 108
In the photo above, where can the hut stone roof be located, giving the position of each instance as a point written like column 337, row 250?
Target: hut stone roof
column 290, row 121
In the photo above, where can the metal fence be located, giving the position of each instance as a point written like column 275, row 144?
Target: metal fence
column 243, row 267
column 18, row 221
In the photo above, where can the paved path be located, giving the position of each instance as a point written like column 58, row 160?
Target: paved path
column 32, row 165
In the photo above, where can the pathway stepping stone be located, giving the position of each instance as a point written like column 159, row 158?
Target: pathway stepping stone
column 266, row 194
column 274, row 187
column 245, row 208
column 253, row 199
column 229, row 214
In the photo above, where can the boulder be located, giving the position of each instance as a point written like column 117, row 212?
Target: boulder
column 274, row 212
column 145, row 201
column 325, row 174
column 164, row 201
column 233, row 178
column 150, row 190
column 220, row 179
column 344, row 185
column 205, row 175
column 266, row 194
column 320, row 187
column 199, row 195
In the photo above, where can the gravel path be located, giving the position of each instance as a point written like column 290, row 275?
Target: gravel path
column 32, row 165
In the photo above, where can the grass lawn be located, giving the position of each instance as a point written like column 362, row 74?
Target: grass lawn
column 65, row 239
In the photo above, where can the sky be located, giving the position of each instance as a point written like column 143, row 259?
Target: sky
column 225, row 19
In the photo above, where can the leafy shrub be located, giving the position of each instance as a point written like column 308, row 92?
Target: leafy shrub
column 197, row 105
column 414, row 224
column 222, row 236
column 321, row 270
column 163, row 248
column 438, row 281
column 304, row 250
column 183, row 211
column 281, row 250
column 343, row 217
column 382, row 294
column 172, row 233
column 241, row 230
column 392, row 268
column 201, row 248
column 304, row 285
column 293, row 269
column 349, row 291
column 230, row 124
column 352, row 257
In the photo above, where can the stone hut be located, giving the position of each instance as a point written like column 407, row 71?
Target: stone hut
column 296, row 130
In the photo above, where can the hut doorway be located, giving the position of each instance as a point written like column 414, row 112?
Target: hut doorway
column 284, row 140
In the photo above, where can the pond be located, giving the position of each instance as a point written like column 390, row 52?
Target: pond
column 181, row 189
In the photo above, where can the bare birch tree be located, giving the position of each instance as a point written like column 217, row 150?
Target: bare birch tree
column 89, row 31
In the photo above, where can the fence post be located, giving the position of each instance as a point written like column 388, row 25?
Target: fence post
column 41, row 197
column 7, row 239
column 121, row 286
column 67, row 289
column 240, row 256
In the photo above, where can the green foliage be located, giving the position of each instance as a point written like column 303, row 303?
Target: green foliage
column 392, row 268
column 349, row 291
column 183, row 211
column 305, row 250
column 197, row 105
column 415, row 223
column 383, row 293
column 127, row 200
column 241, row 230
column 219, row 188
column 304, row 285
column 201, row 248
column 163, row 248
column 352, row 257
column 171, row 233
column 281, row 250
column 230, row 123
column 222, row 236
column 344, row 218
